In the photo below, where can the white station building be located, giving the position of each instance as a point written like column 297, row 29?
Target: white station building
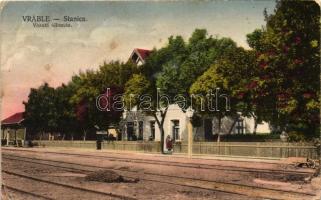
column 138, row 126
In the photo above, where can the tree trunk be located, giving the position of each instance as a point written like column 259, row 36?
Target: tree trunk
column 84, row 136
column 234, row 122
column 219, row 129
column 255, row 123
column 41, row 134
column 162, row 139
column 255, row 126
column 161, row 128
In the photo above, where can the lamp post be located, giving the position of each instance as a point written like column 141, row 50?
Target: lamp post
column 124, row 126
column 189, row 114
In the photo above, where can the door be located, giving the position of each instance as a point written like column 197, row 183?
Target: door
column 130, row 131
column 208, row 130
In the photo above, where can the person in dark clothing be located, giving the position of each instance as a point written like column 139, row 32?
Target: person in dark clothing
column 169, row 143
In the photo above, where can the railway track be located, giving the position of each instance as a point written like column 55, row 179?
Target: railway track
column 102, row 194
column 24, row 192
column 233, row 188
column 172, row 163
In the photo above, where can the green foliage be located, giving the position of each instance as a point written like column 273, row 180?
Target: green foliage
column 69, row 108
column 90, row 84
column 254, row 39
column 48, row 109
column 288, row 59
column 295, row 136
column 167, row 80
column 276, row 81
column 250, row 138
column 136, row 87
column 197, row 120
column 176, row 66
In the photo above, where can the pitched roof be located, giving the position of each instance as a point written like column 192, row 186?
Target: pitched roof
column 13, row 119
column 143, row 53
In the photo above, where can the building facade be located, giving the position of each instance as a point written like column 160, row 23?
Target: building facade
column 138, row 126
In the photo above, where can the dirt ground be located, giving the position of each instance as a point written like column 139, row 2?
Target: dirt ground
column 132, row 179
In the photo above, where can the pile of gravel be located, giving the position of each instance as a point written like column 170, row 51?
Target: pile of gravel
column 107, row 176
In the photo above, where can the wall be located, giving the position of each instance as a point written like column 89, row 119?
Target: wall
column 175, row 113
column 261, row 128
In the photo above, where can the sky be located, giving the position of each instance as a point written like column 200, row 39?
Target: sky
column 31, row 56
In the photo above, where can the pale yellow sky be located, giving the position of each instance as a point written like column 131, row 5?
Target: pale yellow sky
column 31, row 56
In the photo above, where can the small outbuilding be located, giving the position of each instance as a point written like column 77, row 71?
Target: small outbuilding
column 13, row 132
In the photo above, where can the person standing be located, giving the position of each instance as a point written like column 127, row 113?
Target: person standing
column 169, row 144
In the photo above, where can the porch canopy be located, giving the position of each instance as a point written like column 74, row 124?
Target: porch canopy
column 14, row 121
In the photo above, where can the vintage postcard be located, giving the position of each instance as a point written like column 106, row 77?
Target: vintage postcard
column 160, row 100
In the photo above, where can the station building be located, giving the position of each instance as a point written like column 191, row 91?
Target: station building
column 137, row 125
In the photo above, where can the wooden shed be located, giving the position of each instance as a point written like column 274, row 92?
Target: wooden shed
column 13, row 132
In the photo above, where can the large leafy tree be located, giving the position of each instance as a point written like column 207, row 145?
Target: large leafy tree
column 218, row 92
column 41, row 114
column 66, row 119
column 48, row 110
column 91, row 84
column 287, row 53
column 237, row 67
column 71, row 107
column 201, row 51
column 172, row 69
column 204, row 89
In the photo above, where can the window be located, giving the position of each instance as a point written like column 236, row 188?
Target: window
column 240, row 126
column 152, row 130
column 175, row 130
column 135, row 58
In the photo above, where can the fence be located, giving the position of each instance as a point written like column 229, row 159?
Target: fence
column 65, row 143
column 152, row 147
column 111, row 145
column 252, row 149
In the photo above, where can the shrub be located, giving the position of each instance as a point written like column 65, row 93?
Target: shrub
column 248, row 137
column 295, row 136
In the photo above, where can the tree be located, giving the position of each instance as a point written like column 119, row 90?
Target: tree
column 89, row 85
column 48, row 110
column 238, row 66
column 41, row 115
column 288, row 58
column 181, row 71
column 204, row 91
column 202, row 51
column 172, row 69
column 66, row 119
